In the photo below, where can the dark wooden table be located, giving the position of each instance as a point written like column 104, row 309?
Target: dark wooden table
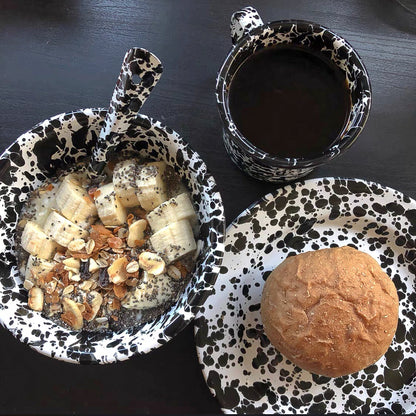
column 58, row 56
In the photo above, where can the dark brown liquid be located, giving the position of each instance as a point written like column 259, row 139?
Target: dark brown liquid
column 289, row 102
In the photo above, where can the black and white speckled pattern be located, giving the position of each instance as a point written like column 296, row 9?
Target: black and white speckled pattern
column 250, row 35
column 242, row 369
column 59, row 142
column 127, row 100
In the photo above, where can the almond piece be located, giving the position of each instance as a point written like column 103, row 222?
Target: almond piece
column 174, row 272
column 136, row 232
column 117, row 271
column 72, row 264
column 72, row 315
column 132, row 267
column 35, row 300
column 151, row 263
column 93, row 266
column 120, row 291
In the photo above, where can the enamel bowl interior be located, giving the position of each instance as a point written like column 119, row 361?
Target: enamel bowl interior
column 61, row 141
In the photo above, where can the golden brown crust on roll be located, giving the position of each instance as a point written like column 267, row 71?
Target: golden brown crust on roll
column 331, row 312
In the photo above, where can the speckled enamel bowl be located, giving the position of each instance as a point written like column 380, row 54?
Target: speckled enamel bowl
column 59, row 142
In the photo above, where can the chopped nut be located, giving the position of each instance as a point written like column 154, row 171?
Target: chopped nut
column 50, row 287
column 28, row 284
column 75, row 278
column 174, row 272
column 120, row 291
column 136, row 232
column 72, row 264
column 132, row 267
column 152, row 263
column 117, row 271
column 88, row 313
column 72, row 315
column 35, row 300
column 92, row 308
column 69, row 289
column 76, row 245
column 93, row 266
column 86, row 285
column 182, row 269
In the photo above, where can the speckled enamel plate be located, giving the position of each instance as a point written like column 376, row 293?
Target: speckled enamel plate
column 58, row 143
column 241, row 367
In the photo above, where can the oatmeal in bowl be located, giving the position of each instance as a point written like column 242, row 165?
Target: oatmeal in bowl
column 96, row 268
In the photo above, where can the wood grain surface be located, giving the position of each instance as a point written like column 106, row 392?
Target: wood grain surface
column 58, row 56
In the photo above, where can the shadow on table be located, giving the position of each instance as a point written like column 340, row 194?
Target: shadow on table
column 41, row 11
column 394, row 14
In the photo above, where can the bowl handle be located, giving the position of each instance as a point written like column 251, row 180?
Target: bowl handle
column 127, row 100
column 243, row 21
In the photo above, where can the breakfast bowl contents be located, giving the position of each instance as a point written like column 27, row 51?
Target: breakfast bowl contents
column 99, row 271
column 332, row 311
column 108, row 252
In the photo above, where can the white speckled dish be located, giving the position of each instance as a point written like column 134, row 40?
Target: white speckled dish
column 60, row 142
column 242, row 369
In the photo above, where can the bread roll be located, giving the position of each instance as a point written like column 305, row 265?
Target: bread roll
column 331, row 312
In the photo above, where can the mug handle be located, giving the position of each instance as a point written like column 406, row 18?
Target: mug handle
column 243, row 21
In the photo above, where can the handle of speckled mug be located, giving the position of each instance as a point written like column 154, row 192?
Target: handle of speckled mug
column 243, row 21
column 128, row 98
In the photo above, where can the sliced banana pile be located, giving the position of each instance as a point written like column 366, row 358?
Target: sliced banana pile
column 94, row 251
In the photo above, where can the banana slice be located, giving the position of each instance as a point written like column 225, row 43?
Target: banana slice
column 153, row 291
column 175, row 209
column 110, row 209
column 36, row 242
column 174, row 241
column 62, row 230
column 151, row 186
column 74, row 203
column 124, row 180
column 44, row 203
column 37, row 267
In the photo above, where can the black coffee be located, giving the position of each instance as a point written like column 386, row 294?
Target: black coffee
column 289, row 102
